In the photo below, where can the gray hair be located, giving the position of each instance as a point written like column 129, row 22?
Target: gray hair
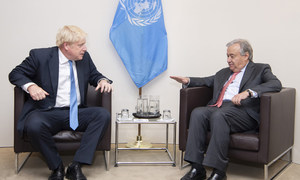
column 245, row 46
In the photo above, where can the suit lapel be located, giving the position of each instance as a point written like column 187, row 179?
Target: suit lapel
column 80, row 76
column 222, row 79
column 53, row 69
column 247, row 75
column 225, row 77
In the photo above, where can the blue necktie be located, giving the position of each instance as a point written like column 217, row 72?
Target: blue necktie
column 73, row 100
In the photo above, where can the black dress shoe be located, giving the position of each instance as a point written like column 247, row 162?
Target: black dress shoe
column 74, row 172
column 58, row 174
column 193, row 174
column 215, row 176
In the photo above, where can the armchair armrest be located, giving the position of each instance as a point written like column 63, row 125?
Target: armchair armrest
column 106, row 101
column 190, row 98
column 20, row 97
column 277, row 116
column 19, row 102
column 96, row 98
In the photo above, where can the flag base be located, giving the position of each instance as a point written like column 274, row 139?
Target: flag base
column 139, row 144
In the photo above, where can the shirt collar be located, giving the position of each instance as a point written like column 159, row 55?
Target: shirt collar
column 62, row 57
column 244, row 68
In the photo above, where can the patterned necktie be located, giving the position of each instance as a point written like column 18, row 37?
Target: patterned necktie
column 73, row 100
column 221, row 96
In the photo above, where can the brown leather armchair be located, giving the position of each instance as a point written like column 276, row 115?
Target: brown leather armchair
column 274, row 139
column 65, row 140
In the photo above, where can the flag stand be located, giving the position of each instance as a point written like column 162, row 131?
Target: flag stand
column 139, row 140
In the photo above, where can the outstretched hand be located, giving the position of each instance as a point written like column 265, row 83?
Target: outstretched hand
column 183, row 80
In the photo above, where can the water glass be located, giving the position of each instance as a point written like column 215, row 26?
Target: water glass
column 154, row 106
column 118, row 115
column 124, row 114
column 139, row 106
column 167, row 114
column 145, row 106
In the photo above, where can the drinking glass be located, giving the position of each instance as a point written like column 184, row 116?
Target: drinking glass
column 145, row 106
column 154, row 105
column 118, row 115
column 139, row 106
column 124, row 114
column 167, row 114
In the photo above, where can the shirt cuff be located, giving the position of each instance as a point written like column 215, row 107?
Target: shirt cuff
column 25, row 86
column 104, row 79
column 253, row 94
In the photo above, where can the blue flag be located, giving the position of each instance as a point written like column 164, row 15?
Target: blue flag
column 138, row 34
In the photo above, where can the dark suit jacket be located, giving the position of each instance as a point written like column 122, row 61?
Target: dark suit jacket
column 41, row 67
column 257, row 77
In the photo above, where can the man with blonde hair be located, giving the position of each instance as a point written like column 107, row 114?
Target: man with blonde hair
column 56, row 79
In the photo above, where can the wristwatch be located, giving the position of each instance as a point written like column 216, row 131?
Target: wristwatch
column 250, row 92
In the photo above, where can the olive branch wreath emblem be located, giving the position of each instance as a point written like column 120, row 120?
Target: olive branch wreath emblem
column 139, row 21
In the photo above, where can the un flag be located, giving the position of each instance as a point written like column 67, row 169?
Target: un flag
column 139, row 36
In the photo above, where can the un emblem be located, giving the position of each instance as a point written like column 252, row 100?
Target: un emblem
column 142, row 12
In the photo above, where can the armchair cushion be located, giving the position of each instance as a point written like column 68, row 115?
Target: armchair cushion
column 242, row 141
column 68, row 136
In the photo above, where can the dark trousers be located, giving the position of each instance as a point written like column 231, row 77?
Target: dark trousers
column 41, row 125
column 220, row 122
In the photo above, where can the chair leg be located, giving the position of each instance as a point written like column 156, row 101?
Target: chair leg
column 266, row 166
column 106, row 159
column 17, row 166
column 181, row 162
column 266, row 172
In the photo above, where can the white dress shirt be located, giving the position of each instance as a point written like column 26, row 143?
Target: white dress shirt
column 234, row 86
column 64, row 82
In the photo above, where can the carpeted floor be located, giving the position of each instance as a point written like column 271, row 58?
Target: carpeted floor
column 36, row 169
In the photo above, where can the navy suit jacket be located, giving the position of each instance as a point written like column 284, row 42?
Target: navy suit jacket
column 42, row 67
column 257, row 77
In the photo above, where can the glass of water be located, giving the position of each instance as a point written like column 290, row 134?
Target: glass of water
column 125, row 114
column 167, row 114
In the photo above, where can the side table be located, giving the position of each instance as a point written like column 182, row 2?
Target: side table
column 147, row 122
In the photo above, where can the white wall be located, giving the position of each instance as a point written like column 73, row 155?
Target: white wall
column 197, row 34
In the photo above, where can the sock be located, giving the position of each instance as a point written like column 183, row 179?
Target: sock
column 219, row 172
column 74, row 163
column 60, row 165
column 198, row 167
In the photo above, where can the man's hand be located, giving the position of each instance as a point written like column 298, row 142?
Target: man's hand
column 104, row 86
column 36, row 92
column 237, row 98
column 183, row 80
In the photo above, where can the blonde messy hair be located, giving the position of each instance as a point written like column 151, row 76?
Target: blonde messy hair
column 69, row 34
